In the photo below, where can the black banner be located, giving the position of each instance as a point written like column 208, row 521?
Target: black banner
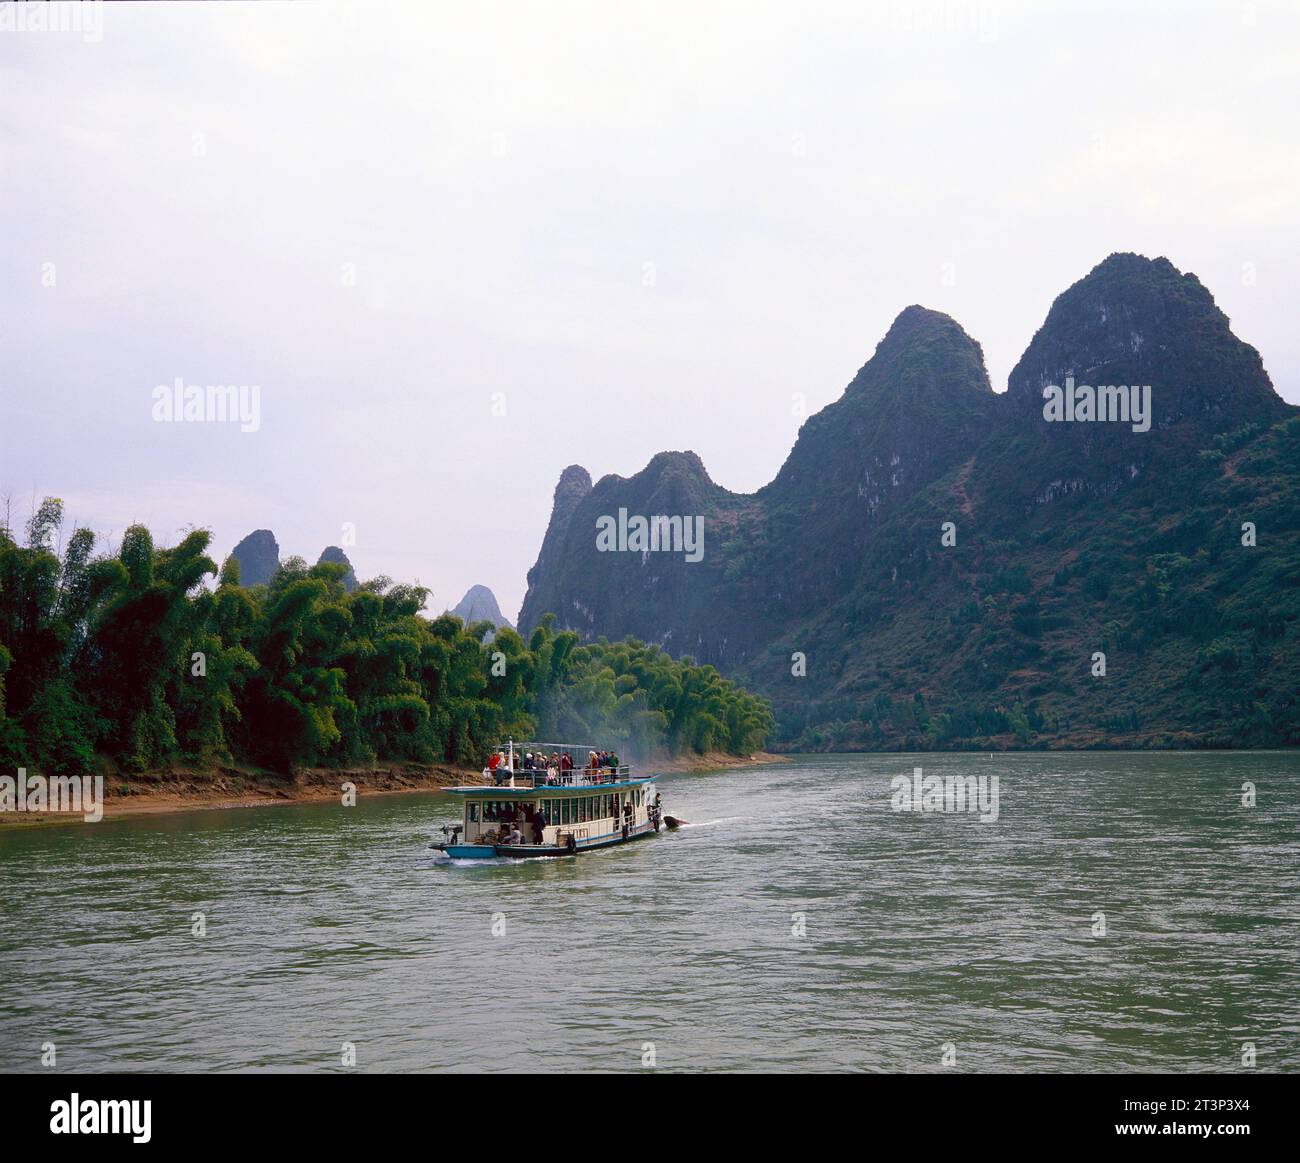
column 333, row 1111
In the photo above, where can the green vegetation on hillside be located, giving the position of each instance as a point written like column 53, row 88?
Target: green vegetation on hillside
column 990, row 643
column 131, row 661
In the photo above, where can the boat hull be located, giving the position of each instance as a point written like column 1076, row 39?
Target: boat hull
column 468, row 851
column 532, row 851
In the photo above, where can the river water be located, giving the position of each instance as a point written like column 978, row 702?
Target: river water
column 798, row 923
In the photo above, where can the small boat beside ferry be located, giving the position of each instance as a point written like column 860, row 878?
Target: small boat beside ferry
column 539, row 802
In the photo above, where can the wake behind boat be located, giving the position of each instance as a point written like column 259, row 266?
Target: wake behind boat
column 540, row 803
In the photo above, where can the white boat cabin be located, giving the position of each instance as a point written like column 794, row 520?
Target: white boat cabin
column 573, row 799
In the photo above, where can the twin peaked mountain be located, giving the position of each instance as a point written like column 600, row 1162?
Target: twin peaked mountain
column 1073, row 539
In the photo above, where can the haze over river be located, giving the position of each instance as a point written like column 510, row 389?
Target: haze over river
column 799, row 923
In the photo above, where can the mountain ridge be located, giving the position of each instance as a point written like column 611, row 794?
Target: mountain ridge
column 845, row 540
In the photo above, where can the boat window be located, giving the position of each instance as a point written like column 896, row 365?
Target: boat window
column 473, row 813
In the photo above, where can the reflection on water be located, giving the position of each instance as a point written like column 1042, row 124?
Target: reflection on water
column 797, row 923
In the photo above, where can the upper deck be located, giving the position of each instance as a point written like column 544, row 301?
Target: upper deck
column 519, row 773
column 532, row 782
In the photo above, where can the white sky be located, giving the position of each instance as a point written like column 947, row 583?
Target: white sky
column 501, row 175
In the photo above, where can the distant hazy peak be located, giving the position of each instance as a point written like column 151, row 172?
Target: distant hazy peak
column 333, row 555
column 258, row 555
column 479, row 605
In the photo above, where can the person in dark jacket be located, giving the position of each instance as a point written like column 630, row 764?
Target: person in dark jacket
column 539, row 822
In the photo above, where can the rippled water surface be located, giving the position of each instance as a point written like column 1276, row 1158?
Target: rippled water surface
column 328, row 926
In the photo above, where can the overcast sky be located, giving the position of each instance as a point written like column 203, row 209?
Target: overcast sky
column 647, row 226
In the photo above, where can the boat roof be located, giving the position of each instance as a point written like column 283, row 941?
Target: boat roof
column 546, row 790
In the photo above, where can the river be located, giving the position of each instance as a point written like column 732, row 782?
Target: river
column 1124, row 912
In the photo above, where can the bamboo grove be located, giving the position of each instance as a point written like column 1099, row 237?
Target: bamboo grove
column 151, row 657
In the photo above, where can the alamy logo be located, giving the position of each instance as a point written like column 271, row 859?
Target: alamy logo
column 977, row 17
column 210, row 403
column 952, row 793
column 624, row 534
column 1122, row 403
column 86, row 18
column 102, row 1116
column 61, row 793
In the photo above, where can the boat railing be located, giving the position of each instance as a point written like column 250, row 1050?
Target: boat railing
column 575, row 777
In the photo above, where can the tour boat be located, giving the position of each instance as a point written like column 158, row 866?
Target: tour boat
column 558, row 811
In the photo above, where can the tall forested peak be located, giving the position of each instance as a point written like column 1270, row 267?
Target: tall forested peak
column 921, row 401
column 925, row 350
column 573, row 487
column 1133, row 320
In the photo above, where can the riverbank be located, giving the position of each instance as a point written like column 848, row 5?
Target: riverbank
column 187, row 790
